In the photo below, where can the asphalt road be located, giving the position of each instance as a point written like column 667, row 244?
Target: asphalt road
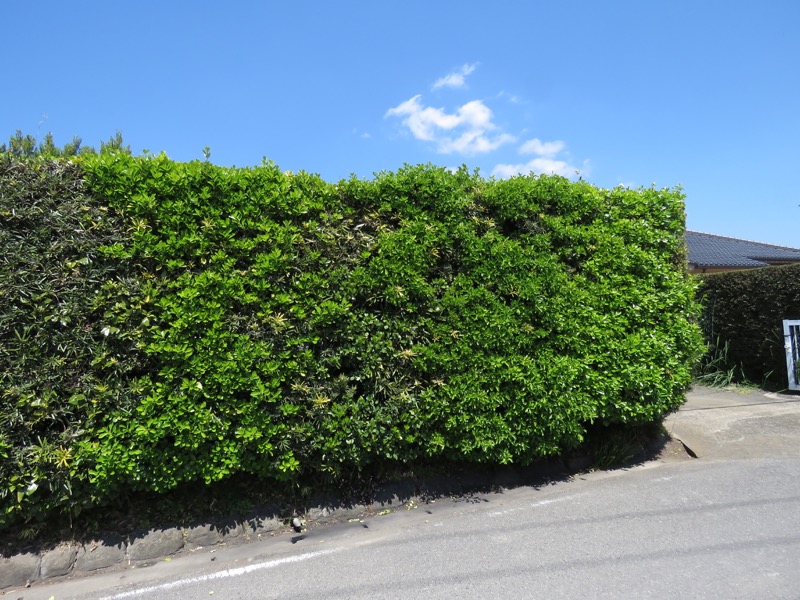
column 725, row 525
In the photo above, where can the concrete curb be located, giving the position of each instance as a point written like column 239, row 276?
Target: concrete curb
column 137, row 549
column 145, row 548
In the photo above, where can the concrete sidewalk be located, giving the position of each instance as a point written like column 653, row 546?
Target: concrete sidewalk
column 738, row 423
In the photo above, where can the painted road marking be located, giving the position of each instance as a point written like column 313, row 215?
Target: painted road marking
column 219, row 575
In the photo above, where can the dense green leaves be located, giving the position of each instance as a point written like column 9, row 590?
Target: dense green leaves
column 743, row 313
column 64, row 365
column 210, row 321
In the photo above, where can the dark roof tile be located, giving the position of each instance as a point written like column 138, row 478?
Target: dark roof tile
column 708, row 251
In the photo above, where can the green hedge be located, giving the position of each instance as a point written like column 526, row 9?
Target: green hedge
column 743, row 313
column 167, row 322
column 60, row 376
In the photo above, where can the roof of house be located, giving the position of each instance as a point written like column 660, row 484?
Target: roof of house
column 717, row 251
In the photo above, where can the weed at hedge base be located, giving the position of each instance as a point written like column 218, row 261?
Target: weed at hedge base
column 715, row 370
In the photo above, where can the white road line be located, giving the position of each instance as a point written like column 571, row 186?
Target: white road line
column 500, row 513
column 219, row 575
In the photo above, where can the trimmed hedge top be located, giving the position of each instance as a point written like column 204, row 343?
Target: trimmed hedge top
column 169, row 322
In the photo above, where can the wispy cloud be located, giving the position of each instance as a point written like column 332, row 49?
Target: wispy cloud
column 466, row 131
column 512, row 98
column 474, row 142
column 536, row 146
column 546, row 161
column 547, row 166
column 455, row 79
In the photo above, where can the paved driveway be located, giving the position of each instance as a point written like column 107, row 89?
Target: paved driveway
column 738, row 423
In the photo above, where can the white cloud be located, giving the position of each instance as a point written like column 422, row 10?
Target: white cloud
column 472, row 123
column 421, row 120
column 473, row 142
column 455, row 79
column 542, row 165
column 470, row 130
column 536, row 146
column 545, row 163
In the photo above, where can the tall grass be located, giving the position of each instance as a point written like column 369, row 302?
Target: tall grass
column 715, row 369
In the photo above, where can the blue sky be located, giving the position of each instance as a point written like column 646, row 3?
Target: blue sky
column 703, row 93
